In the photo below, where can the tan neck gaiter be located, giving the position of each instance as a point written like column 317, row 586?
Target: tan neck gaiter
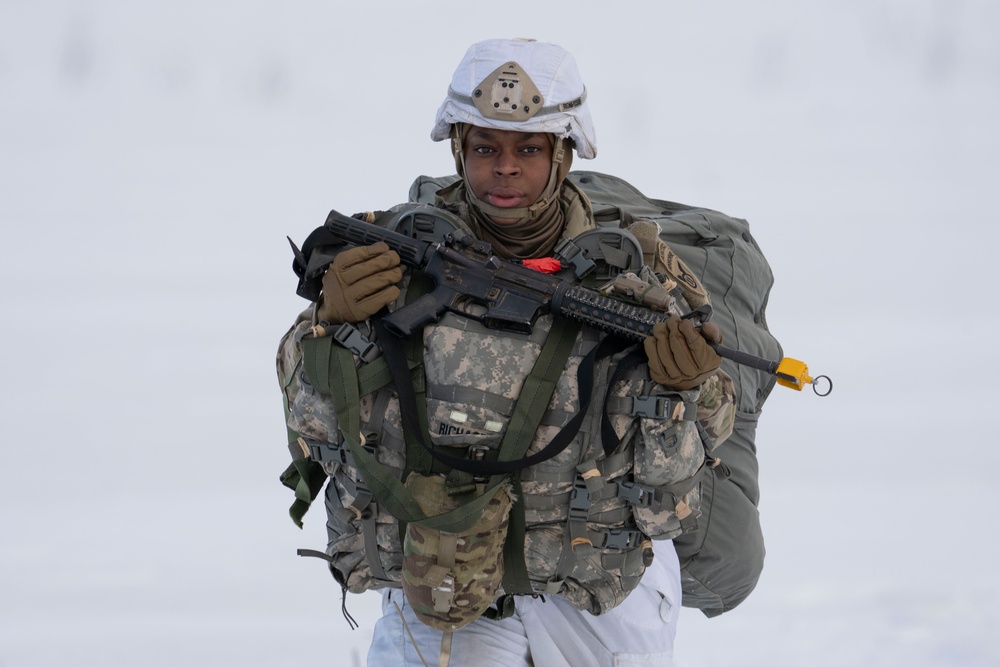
column 538, row 227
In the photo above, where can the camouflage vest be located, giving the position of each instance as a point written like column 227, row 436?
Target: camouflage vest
column 578, row 525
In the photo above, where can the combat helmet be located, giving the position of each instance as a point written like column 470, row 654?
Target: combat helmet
column 521, row 85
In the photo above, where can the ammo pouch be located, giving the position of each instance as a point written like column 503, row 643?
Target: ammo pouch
column 451, row 578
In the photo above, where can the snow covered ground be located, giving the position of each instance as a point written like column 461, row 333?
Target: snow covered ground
column 154, row 155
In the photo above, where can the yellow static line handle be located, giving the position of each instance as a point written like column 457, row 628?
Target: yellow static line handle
column 794, row 374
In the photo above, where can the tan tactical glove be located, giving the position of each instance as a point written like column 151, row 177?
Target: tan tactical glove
column 358, row 283
column 679, row 356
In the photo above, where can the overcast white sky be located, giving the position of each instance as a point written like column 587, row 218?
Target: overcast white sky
column 154, row 155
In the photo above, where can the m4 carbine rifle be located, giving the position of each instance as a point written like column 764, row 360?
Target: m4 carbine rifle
column 472, row 281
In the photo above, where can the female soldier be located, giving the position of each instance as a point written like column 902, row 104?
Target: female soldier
column 602, row 580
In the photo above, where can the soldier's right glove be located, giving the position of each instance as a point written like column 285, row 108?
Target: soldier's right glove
column 359, row 282
column 679, row 356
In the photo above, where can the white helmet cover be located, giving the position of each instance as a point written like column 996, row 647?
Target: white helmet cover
column 545, row 69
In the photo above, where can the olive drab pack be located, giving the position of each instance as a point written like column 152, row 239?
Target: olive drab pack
column 721, row 562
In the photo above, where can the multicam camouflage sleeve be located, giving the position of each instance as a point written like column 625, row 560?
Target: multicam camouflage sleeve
column 717, row 407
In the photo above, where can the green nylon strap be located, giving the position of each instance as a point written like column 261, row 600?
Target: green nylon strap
column 316, row 359
column 538, row 388
column 536, row 394
column 303, row 476
column 417, row 458
column 306, row 478
column 374, row 375
column 515, row 569
column 317, row 352
column 390, row 492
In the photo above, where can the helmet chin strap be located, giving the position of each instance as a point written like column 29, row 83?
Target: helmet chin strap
column 549, row 195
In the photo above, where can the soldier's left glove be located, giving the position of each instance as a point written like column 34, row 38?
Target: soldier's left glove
column 679, row 356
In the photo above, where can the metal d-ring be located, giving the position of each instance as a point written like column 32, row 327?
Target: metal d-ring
column 816, row 383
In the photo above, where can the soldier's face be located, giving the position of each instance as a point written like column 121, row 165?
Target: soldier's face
column 507, row 169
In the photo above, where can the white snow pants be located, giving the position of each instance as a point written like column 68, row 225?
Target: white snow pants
column 551, row 633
